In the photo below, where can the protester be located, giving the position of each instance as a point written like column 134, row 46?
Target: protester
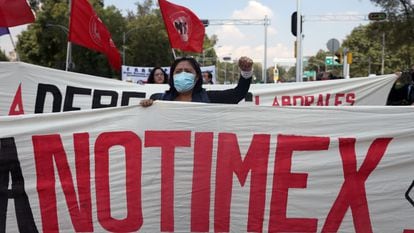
column 157, row 76
column 402, row 92
column 186, row 84
column 207, row 77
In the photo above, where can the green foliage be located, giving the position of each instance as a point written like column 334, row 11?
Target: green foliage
column 317, row 64
column 366, row 44
column 395, row 36
column 146, row 41
column 282, row 73
column 141, row 35
column 45, row 41
column 3, row 56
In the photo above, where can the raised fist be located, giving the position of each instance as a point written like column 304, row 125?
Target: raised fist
column 245, row 63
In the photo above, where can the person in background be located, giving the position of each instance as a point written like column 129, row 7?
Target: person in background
column 186, row 84
column 207, row 77
column 402, row 91
column 157, row 76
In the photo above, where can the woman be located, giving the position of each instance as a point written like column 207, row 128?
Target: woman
column 186, row 84
column 157, row 76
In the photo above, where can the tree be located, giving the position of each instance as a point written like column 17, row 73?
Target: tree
column 45, row 41
column 147, row 41
column 366, row 45
column 317, row 62
column 399, row 26
column 282, row 73
column 3, row 56
column 290, row 74
column 141, row 35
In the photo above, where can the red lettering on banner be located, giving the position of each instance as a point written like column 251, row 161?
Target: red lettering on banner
column 350, row 98
column 168, row 141
column 257, row 100
column 320, row 100
column 283, row 179
column 298, row 100
column 328, row 96
column 201, row 191
column 46, row 149
column 275, row 102
column 286, row 101
column 352, row 194
column 51, row 159
column 133, row 166
column 338, row 98
column 228, row 161
column 309, row 100
column 17, row 105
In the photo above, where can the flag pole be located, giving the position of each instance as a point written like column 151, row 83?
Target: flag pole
column 14, row 46
column 68, row 55
column 69, row 45
column 173, row 52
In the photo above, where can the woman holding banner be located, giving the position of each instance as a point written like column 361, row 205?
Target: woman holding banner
column 186, row 84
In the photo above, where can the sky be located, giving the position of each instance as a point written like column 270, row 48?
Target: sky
column 248, row 40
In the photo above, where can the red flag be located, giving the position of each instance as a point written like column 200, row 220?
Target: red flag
column 185, row 29
column 15, row 12
column 87, row 29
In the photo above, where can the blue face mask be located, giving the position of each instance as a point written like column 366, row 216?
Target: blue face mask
column 184, row 81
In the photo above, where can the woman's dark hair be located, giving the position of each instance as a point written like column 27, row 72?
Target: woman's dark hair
column 152, row 74
column 195, row 65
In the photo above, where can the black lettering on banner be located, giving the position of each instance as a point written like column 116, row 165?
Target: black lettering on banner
column 10, row 165
column 97, row 96
column 407, row 194
column 42, row 90
column 70, row 93
column 128, row 95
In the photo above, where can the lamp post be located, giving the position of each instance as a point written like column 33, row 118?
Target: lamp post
column 226, row 59
column 68, row 50
column 383, row 53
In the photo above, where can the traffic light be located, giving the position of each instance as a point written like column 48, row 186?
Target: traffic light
column 377, row 16
column 294, row 20
column 338, row 57
column 205, row 22
column 349, row 58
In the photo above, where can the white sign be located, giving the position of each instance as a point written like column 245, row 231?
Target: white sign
column 29, row 89
column 185, row 167
column 137, row 74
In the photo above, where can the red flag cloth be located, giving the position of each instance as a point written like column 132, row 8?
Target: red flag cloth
column 15, row 12
column 185, row 29
column 88, row 30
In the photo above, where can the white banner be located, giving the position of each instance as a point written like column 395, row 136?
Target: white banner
column 185, row 167
column 28, row 88
column 138, row 74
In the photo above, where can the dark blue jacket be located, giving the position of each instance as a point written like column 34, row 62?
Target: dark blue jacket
column 229, row 96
